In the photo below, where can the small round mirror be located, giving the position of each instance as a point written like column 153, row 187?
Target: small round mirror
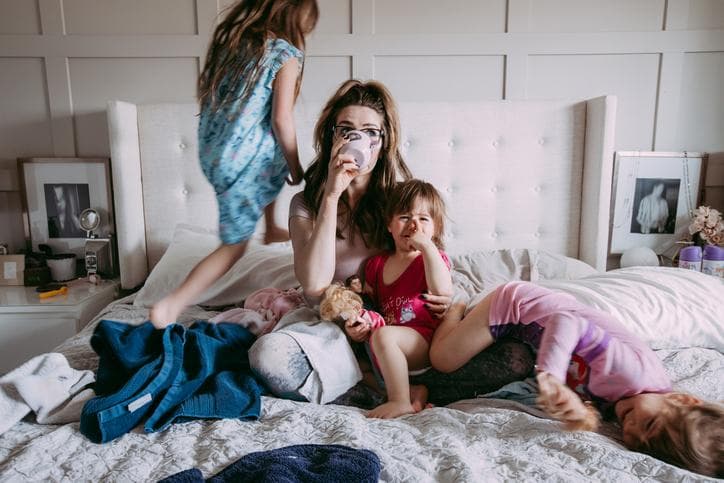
column 89, row 219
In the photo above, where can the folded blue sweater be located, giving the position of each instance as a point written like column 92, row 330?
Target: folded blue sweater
column 168, row 376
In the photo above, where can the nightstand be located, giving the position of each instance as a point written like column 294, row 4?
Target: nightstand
column 30, row 326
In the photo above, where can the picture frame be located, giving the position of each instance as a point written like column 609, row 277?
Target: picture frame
column 12, row 269
column 54, row 193
column 654, row 194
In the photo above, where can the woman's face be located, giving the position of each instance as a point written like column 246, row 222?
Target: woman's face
column 362, row 118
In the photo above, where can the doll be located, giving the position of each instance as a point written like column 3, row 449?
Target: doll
column 344, row 307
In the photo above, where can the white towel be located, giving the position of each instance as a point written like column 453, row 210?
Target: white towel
column 46, row 385
column 334, row 367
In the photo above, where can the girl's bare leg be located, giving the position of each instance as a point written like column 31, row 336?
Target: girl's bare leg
column 394, row 347
column 272, row 232
column 217, row 263
column 457, row 341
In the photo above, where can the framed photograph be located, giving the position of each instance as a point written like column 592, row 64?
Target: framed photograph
column 654, row 194
column 56, row 191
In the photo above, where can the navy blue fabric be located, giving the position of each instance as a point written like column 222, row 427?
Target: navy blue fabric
column 193, row 475
column 305, row 463
column 169, row 376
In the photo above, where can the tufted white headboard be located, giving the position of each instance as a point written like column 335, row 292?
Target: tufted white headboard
column 515, row 174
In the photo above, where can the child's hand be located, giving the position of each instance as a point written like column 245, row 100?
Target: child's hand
column 419, row 240
column 358, row 329
column 561, row 403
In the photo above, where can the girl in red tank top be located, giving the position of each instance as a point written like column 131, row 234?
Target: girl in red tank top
column 396, row 282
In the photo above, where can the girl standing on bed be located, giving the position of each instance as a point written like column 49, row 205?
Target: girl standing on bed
column 585, row 353
column 396, row 281
column 247, row 138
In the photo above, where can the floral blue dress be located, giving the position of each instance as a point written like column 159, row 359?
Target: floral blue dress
column 238, row 151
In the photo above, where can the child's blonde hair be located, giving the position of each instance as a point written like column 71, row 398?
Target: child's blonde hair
column 692, row 437
column 238, row 44
column 403, row 198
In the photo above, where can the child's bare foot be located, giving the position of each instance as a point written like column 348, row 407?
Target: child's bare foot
column 275, row 234
column 418, row 397
column 164, row 312
column 561, row 403
column 391, row 409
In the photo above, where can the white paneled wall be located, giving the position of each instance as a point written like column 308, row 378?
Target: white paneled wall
column 61, row 60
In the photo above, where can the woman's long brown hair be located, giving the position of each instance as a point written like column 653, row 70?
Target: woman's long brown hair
column 368, row 217
column 237, row 46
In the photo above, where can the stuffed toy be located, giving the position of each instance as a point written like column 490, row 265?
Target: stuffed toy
column 341, row 304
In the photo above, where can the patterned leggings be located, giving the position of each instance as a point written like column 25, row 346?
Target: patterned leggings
column 282, row 365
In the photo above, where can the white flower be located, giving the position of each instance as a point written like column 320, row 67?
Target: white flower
column 695, row 227
column 707, row 222
column 713, row 218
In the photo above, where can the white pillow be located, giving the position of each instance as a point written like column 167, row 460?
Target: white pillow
column 261, row 266
column 668, row 308
column 481, row 271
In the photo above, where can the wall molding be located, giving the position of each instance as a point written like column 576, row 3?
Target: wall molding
column 518, row 44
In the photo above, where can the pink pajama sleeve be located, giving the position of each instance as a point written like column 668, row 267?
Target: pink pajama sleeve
column 560, row 338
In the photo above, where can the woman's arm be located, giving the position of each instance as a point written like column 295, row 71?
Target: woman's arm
column 314, row 245
column 284, row 88
column 314, row 241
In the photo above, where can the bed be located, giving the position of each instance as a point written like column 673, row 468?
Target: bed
column 528, row 187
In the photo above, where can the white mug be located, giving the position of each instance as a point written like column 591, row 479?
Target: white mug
column 359, row 145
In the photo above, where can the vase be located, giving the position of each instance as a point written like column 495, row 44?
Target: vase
column 698, row 240
column 679, row 245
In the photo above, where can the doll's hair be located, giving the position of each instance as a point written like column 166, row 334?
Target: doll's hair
column 339, row 304
column 691, row 437
column 350, row 279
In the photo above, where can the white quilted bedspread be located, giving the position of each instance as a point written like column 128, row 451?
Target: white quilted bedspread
column 474, row 440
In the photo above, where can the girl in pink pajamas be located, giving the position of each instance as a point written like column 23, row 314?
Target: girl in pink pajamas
column 588, row 351
column 612, row 362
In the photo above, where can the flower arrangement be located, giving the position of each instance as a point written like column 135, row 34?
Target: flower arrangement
column 707, row 226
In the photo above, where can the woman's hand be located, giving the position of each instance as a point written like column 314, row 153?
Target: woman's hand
column 358, row 329
column 342, row 170
column 437, row 304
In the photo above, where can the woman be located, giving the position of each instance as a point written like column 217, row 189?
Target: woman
column 335, row 224
column 65, row 223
